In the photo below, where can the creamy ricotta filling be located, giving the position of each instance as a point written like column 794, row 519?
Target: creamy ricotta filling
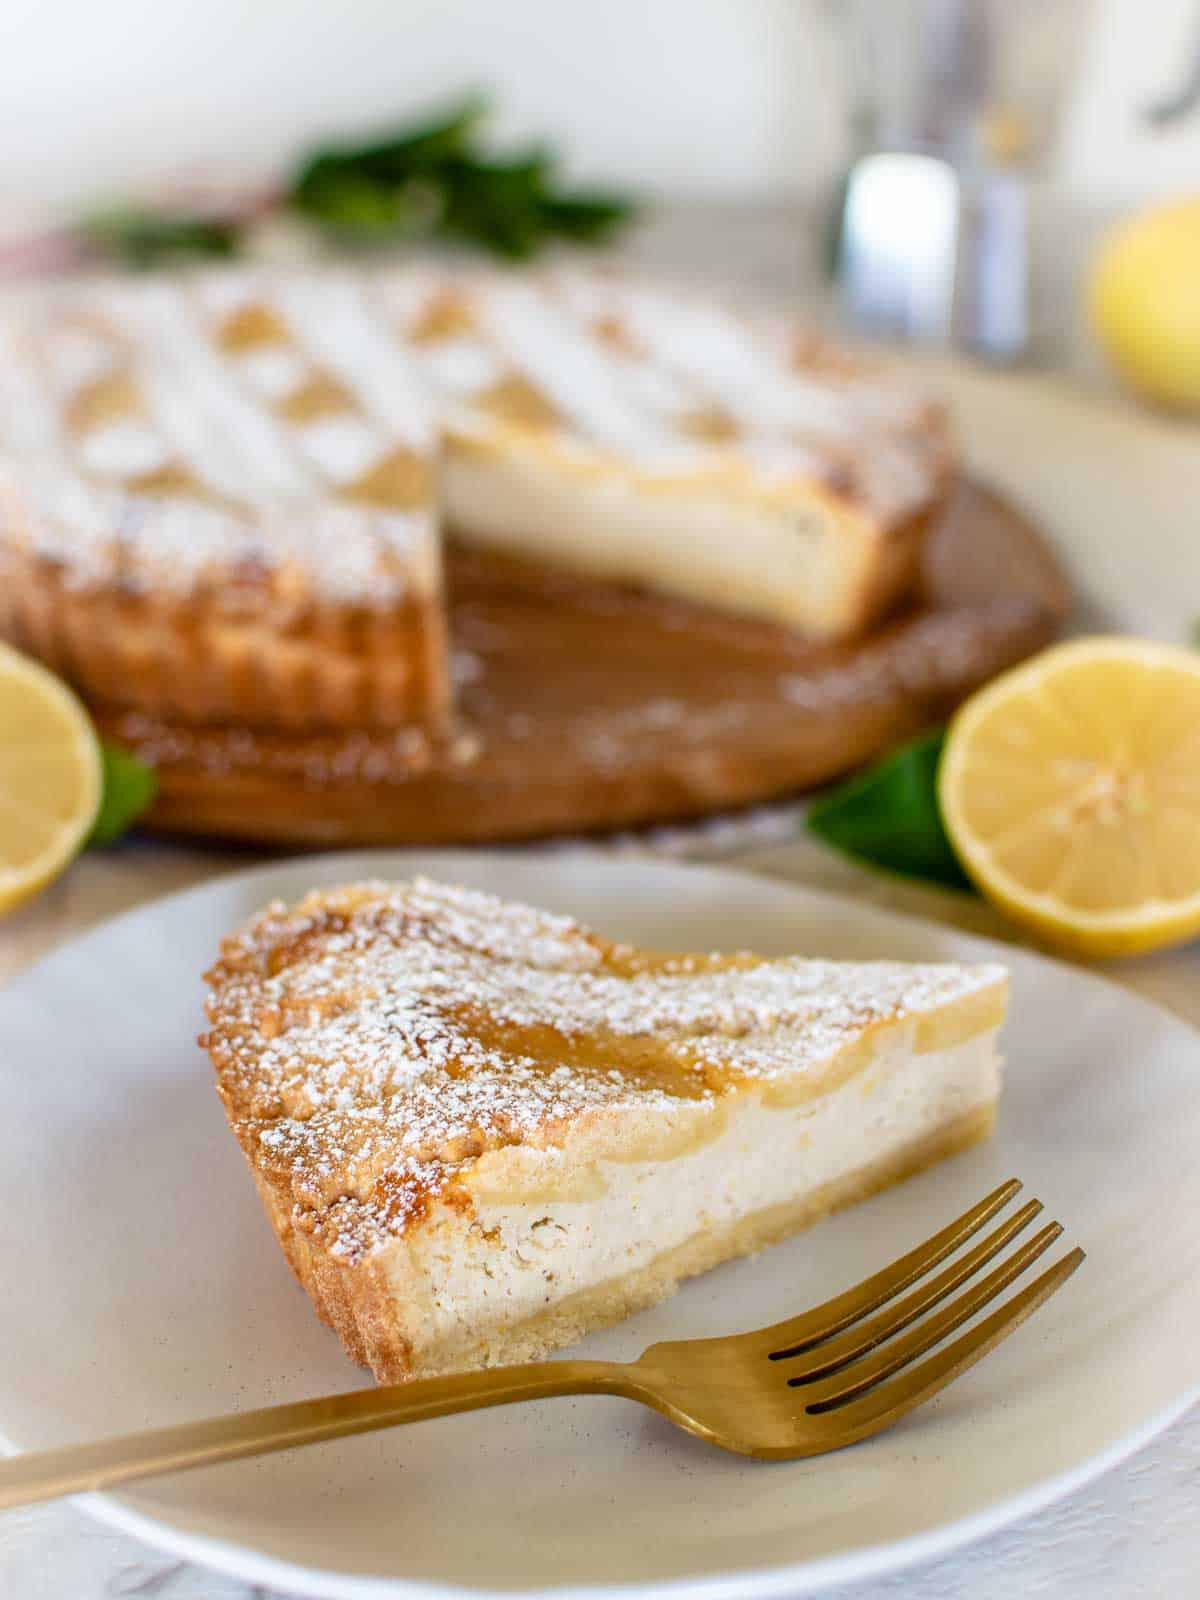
column 521, row 1254
column 797, row 564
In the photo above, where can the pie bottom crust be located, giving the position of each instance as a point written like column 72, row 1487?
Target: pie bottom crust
column 351, row 1304
column 238, row 655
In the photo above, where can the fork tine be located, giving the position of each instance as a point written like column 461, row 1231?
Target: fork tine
column 822, row 1322
column 859, row 1376
column 895, row 1316
column 890, row 1401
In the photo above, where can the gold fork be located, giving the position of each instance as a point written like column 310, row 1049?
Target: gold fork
column 814, row 1383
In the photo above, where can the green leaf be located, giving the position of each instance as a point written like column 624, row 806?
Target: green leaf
column 889, row 816
column 439, row 137
column 349, row 201
column 144, row 239
column 498, row 204
column 436, row 177
column 587, row 217
column 129, row 787
column 396, row 156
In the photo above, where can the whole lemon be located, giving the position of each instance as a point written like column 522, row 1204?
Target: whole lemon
column 1144, row 302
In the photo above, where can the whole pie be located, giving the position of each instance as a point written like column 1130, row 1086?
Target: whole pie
column 222, row 496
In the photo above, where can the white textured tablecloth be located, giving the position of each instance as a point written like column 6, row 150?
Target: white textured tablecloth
column 1134, row 1532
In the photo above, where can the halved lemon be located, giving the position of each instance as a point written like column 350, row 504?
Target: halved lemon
column 50, row 777
column 1070, row 788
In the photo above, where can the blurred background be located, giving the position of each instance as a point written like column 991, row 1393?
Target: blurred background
column 716, row 98
column 740, row 124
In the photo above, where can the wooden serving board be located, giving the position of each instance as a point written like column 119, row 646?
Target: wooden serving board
column 586, row 706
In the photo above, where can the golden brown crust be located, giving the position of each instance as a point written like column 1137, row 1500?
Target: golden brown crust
column 212, row 518
column 891, row 574
column 239, row 654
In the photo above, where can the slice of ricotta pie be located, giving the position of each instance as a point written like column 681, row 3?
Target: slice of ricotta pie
column 481, row 1130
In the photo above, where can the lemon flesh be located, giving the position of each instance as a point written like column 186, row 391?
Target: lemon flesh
column 50, row 777
column 1070, row 788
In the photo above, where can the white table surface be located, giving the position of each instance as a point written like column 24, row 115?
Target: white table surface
column 1119, row 490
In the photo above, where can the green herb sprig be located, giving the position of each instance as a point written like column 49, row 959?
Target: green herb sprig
column 141, row 239
column 436, row 178
column 432, row 179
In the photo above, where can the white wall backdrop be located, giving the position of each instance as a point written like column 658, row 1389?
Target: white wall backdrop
column 683, row 94
column 716, row 96
column 1139, row 53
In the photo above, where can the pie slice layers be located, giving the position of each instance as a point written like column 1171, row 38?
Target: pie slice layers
column 650, row 435
column 481, row 1130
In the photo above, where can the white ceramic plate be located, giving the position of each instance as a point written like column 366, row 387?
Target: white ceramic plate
column 143, row 1285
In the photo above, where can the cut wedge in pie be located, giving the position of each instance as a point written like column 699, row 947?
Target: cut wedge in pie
column 481, row 1130
column 1070, row 788
column 50, row 777
column 658, row 438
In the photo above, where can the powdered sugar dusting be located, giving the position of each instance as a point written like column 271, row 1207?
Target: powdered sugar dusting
column 175, row 461
column 257, row 401
column 374, row 1040
column 101, row 532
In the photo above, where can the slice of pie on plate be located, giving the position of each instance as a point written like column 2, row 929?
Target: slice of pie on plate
column 481, row 1130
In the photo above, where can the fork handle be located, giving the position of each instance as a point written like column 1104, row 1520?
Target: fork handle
column 75, row 1469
